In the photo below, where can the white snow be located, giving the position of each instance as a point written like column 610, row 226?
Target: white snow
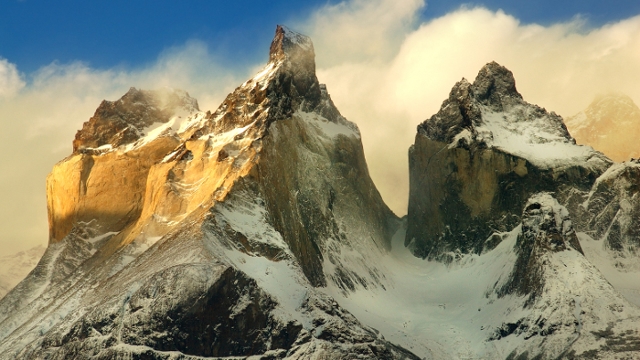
column 250, row 218
column 435, row 310
column 326, row 128
column 450, row 311
column 177, row 125
column 625, row 279
column 280, row 279
column 536, row 139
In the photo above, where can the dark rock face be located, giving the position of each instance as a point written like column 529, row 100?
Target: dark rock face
column 610, row 209
column 222, row 313
column 121, row 122
column 495, row 86
column 468, row 179
column 546, row 227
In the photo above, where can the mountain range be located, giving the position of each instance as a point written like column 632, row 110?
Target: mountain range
column 255, row 232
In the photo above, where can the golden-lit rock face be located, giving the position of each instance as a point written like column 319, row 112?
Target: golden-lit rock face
column 278, row 137
column 610, row 124
column 109, row 187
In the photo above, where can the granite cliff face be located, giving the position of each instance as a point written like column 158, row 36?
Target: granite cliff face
column 178, row 233
column 476, row 161
column 499, row 181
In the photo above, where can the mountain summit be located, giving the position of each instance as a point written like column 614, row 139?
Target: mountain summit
column 175, row 231
column 477, row 161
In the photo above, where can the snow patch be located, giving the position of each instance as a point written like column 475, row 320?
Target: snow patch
column 326, row 128
column 536, row 139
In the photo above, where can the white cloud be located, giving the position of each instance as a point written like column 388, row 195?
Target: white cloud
column 394, row 88
column 10, row 80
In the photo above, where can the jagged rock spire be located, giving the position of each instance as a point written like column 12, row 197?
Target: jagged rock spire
column 494, row 82
column 288, row 43
column 121, row 122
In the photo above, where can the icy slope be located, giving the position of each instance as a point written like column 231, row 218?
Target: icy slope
column 495, row 305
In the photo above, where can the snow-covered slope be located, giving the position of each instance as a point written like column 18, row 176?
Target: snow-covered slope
column 14, row 267
column 608, row 227
column 255, row 232
column 533, row 296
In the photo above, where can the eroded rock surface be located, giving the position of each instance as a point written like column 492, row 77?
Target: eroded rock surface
column 126, row 120
column 559, row 302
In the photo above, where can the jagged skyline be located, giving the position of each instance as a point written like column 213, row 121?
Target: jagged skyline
column 377, row 59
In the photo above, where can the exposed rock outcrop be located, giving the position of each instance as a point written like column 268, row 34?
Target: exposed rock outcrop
column 612, row 208
column 480, row 157
column 126, row 120
column 546, row 228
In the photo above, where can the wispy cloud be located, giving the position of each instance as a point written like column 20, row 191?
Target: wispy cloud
column 10, row 80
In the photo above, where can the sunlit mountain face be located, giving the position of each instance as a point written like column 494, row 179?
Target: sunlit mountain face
column 610, row 124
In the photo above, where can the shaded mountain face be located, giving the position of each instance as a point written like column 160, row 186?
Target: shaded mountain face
column 611, row 124
column 611, row 208
column 178, row 233
column 477, row 161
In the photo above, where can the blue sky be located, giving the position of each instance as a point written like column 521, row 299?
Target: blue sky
column 117, row 33
column 388, row 65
